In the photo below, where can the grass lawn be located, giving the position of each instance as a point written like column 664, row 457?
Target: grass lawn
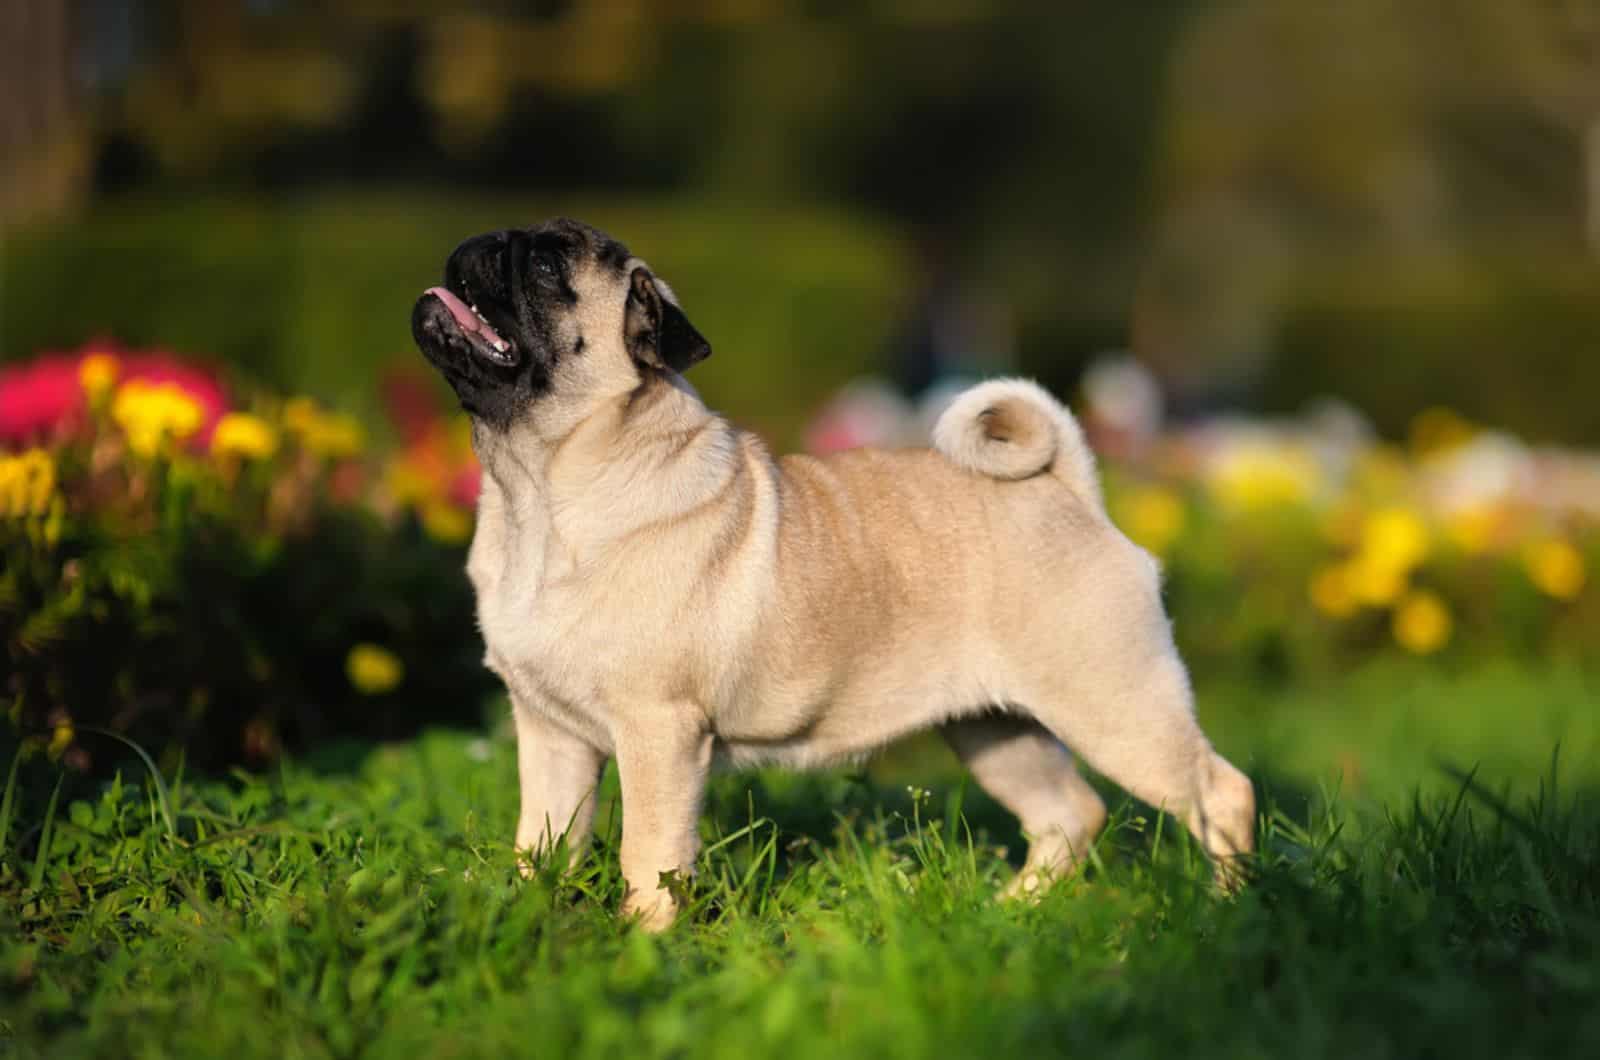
column 365, row 901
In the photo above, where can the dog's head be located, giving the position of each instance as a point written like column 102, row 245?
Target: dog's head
column 557, row 312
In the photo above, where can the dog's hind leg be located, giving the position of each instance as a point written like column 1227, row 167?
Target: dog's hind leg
column 1132, row 719
column 1028, row 771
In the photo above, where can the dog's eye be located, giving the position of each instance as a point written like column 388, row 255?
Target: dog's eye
column 546, row 267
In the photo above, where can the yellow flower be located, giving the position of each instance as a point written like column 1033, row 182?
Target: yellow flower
column 240, row 434
column 1373, row 583
column 446, row 523
column 152, row 413
column 1332, row 594
column 1257, row 476
column 1394, row 537
column 1474, row 530
column 409, row 485
column 97, row 373
column 335, row 437
column 60, row 739
column 12, row 490
column 1153, row 517
column 27, row 484
column 373, row 670
column 299, row 415
column 1556, row 567
column 332, row 435
column 1422, row 623
column 1392, row 543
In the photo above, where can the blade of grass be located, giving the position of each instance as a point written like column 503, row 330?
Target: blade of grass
column 36, row 880
column 1517, row 822
column 162, row 799
column 8, row 802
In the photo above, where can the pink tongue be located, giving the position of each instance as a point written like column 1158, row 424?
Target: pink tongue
column 471, row 324
column 464, row 316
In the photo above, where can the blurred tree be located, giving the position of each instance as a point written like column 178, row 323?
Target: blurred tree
column 1543, row 58
column 1291, row 126
column 1015, row 135
column 1320, row 155
column 1185, row 176
column 41, row 141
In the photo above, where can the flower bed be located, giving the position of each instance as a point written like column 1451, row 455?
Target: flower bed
column 223, row 578
column 1294, row 546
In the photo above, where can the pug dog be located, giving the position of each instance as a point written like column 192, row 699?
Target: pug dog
column 654, row 586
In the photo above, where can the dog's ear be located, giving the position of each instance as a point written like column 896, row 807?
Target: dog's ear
column 655, row 330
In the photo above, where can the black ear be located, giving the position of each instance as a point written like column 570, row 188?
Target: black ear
column 656, row 331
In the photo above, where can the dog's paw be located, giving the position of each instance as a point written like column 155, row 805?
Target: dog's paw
column 1028, row 885
column 654, row 911
column 1230, row 874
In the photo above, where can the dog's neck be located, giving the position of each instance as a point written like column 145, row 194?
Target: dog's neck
column 629, row 460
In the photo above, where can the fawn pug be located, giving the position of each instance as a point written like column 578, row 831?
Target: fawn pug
column 653, row 585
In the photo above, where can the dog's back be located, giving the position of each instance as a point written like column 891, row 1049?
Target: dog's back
column 919, row 583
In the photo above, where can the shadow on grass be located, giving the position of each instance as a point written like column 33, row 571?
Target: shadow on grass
column 922, row 786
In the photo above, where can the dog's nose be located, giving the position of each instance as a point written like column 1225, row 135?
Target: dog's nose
column 488, row 242
column 473, row 257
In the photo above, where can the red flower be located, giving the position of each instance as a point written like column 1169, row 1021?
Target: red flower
column 412, row 404
column 430, row 448
column 347, row 481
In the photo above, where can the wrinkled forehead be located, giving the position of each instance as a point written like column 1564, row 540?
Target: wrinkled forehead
column 578, row 244
column 583, row 246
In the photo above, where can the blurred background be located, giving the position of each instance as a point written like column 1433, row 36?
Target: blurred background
column 1398, row 204
column 1323, row 281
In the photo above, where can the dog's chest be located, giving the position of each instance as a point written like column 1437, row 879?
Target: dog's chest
column 547, row 637
column 527, row 624
column 508, row 566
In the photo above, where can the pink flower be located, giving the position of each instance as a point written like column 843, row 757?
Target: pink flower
column 45, row 397
column 39, row 397
column 464, row 487
column 833, row 436
column 865, row 412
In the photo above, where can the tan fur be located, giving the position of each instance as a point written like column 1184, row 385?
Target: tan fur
column 653, row 585
column 1013, row 428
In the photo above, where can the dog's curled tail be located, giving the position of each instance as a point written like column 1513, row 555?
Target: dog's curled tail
column 1014, row 429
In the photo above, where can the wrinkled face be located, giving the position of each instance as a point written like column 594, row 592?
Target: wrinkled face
column 526, row 313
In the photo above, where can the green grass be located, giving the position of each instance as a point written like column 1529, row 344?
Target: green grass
column 365, row 901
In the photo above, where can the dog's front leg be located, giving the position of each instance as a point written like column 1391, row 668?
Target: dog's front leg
column 559, row 775
column 663, row 760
